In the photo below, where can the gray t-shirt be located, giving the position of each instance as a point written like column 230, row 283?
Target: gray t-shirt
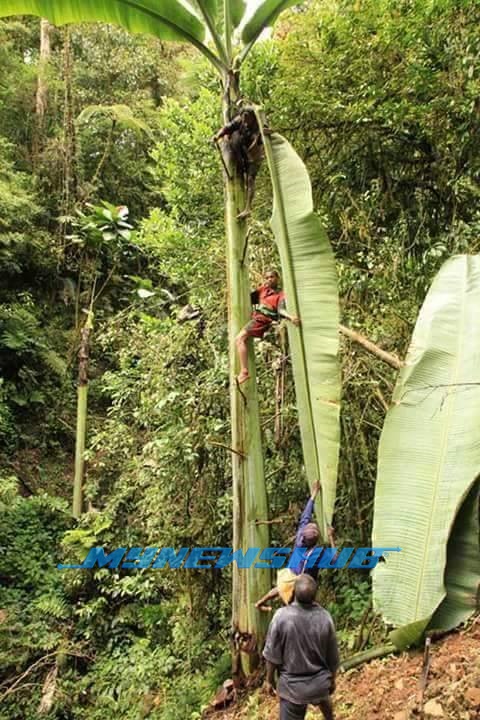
column 301, row 641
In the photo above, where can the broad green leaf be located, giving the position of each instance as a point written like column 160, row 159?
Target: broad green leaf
column 263, row 17
column 122, row 115
column 429, row 459
column 215, row 9
column 165, row 19
column 310, row 281
column 237, row 11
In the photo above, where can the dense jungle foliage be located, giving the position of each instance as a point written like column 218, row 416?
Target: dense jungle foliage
column 381, row 100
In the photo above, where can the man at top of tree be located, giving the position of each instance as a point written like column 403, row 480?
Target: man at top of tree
column 245, row 146
column 269, row 300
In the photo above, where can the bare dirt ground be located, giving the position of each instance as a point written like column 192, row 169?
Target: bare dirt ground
column 388, row 689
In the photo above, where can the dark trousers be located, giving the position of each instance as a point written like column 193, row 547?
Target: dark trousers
column 290, row 711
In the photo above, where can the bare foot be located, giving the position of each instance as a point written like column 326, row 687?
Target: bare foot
column 243, row 376
column 243, row 215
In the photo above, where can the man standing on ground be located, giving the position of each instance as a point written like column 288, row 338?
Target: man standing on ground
column 302, row 646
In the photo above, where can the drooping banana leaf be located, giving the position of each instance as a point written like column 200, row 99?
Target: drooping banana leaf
column 165, row 19
column 429, row 461
column 310, row 282
column 216, row 9
column 263, row 16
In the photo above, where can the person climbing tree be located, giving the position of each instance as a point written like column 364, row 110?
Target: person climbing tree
column 307, row 536
column 302, row 647
column 270, row 302
column 246, row 148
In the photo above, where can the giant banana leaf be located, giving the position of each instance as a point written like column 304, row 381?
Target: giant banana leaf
column 165, row 19
column 216, row 10
column 264, row 16
column 221, row 18
column 429, row 460
column 310, row 281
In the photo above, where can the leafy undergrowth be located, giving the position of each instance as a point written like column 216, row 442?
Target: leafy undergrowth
column 388, row 689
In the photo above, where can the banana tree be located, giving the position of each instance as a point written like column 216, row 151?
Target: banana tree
column 211, row 26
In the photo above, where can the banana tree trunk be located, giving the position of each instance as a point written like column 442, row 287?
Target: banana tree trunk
column 249, row 494
column 82, row 393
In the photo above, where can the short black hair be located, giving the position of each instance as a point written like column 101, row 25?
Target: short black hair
column 272, row 271
column 305, row 589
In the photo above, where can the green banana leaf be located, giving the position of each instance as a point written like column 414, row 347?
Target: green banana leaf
column 310, row 281
column 429, row 461
column 264, row 16
column 237, row 11
column 165, row 19
column 462, row 576
column 216, row 9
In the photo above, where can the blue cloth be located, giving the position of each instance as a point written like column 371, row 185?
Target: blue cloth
column 305, row 518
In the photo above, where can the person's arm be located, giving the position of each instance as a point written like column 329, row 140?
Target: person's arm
column 307, row 513
column 270, row 679
column 260, row 604
column 227, row 129
column 255, row 296
column 331, row 536
column 333, row 656
column 333, row 683
column 273, row 651
column 282, row 311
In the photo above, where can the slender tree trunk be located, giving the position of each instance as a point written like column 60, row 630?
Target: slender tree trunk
column 105, row 155
column 280, row 388
column 83, row 356
column 42, row 89
column 249, row 494
column 69, row 185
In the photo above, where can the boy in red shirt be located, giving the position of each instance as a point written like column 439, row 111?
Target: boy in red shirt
column 270, row 302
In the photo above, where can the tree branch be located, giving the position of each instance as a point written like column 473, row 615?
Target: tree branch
column 221, row 445
column 370, row 347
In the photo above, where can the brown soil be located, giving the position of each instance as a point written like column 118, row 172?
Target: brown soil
column 388, row 689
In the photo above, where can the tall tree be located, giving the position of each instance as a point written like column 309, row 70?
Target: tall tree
column 42, row 86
